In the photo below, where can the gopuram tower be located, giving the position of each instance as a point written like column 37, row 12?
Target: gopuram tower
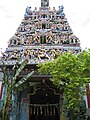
column 41, row 36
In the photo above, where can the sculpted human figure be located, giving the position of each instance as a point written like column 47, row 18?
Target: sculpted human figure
column 5, row 55
column 30, row 40
column 22, row 41
column 43, row 55
column 14, row 55
column 28, row 54
column 32, row 56
column 53, row 54
column 28, row 10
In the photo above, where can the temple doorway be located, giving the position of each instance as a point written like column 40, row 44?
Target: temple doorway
column 44, row 105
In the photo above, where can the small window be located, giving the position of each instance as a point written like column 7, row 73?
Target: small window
column 43, row 39
column 44, row 16
column 43, row 26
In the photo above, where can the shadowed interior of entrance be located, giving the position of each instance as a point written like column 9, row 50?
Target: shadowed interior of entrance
column 44, row 105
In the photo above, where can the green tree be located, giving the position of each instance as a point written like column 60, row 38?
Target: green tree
column 11, row 83
column 70, row 73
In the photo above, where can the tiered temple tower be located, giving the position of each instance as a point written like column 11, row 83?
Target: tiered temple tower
column 41, row 36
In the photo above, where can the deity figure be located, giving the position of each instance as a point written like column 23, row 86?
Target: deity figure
column 43, row 54
column 61, row 8
column 28, row 54
column 53, row 54
column 32, row 56
column 22, row 41
column 28, row 9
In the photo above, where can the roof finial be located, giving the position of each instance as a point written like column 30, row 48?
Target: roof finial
column 44, row 3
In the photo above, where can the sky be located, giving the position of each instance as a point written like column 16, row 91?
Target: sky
column 77, row 13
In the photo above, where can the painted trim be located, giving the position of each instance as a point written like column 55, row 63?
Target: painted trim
column 88, row 94
column 1, row 87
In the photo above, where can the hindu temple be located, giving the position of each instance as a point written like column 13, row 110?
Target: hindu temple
column 42, row 35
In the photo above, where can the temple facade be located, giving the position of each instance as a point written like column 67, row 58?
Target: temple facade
column 42, row 35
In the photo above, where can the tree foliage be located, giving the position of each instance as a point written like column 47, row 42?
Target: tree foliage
column 69, row 72
column 12, row 83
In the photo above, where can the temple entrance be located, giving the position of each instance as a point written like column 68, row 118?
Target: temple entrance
column 44, row 105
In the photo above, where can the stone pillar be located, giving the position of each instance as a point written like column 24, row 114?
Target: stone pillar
column 23, row 111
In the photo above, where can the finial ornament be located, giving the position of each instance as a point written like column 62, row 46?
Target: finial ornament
column 61, row 8
column 44, row 3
